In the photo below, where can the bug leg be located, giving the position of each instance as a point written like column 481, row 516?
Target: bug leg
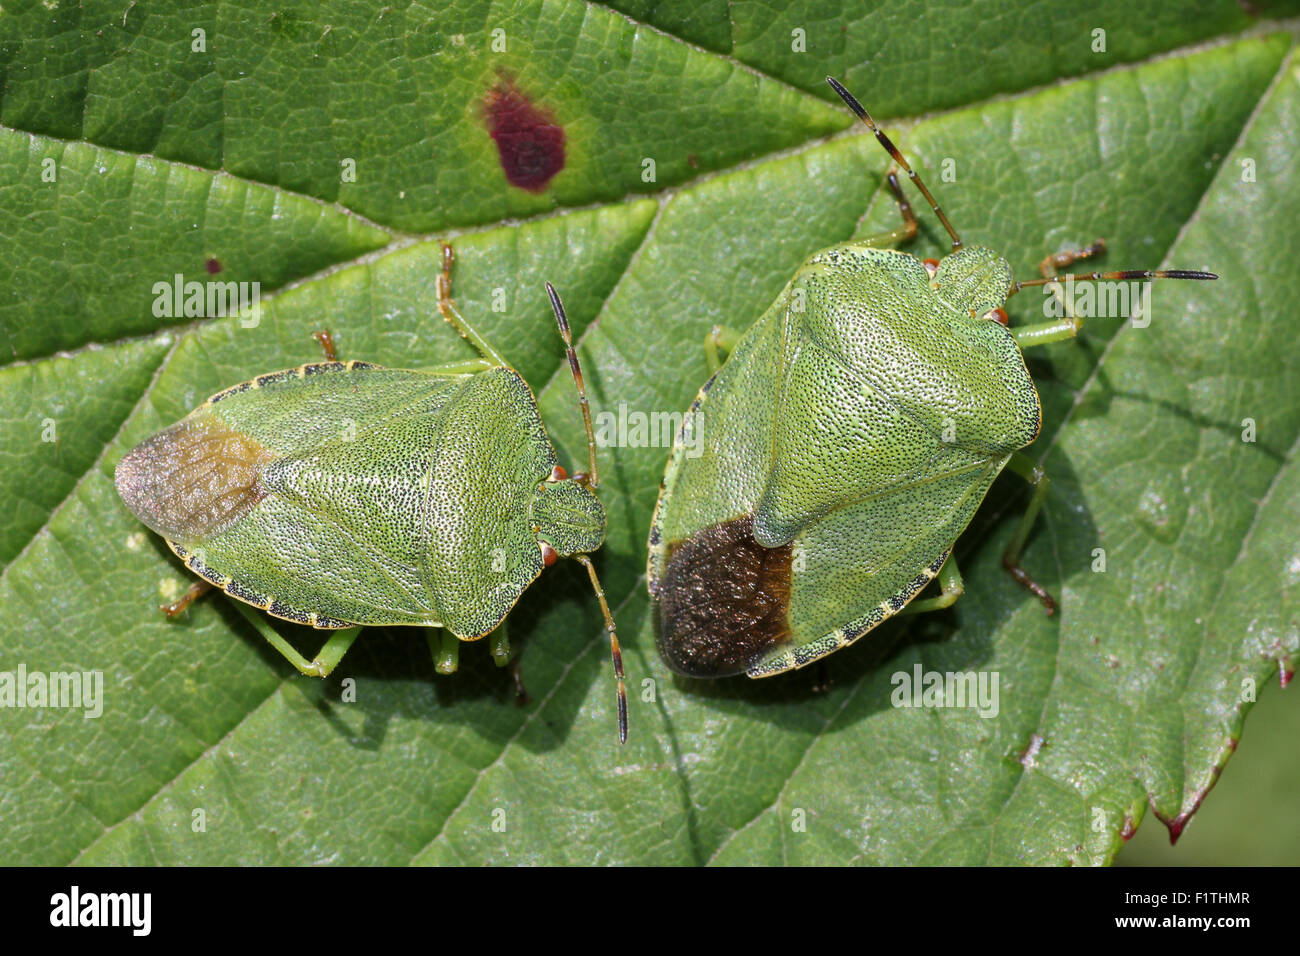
column 326, row 658
column 1068, row 325
column 1063, row 260
column 1032, row 472
column 1048, row 269
column 521, row 692
column 1043, row 333
column 615, row 651
column 447, row 306
column 904, row 233
column 720, row 337
column 499, row 645
column 950, row 581
column 445, row 648
column 195, row 591
column 467, row 367
column 822, row 677
column 327, row 343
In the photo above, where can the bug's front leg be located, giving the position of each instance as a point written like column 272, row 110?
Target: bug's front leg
column 1068, row 325
column 1032, row 472
column 904, row 233
column 447, row 306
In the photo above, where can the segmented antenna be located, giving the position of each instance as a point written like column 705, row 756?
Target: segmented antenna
column 851, row 102
column 592, row 481
column 1116, row 277
column 616, row 652
column 562, row 321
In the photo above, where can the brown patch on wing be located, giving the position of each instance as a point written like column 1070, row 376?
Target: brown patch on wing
column 723, row 601
column 193, row 479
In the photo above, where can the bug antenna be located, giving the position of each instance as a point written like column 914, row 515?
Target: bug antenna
column 852, row 103
column 615, row 651
column 562, row 321
column 1126, row 275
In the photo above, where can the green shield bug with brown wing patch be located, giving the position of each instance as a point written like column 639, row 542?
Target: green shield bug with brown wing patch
column 344, row 494
column 844, row 446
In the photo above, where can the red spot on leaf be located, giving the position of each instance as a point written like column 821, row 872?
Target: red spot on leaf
column 213, row 266
column 530, row 143
column 1179, row 823
column 1128, row 829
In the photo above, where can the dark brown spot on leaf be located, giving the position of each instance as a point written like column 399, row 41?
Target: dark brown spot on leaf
column 530, row 143
column 213, row 265
column 723, row 601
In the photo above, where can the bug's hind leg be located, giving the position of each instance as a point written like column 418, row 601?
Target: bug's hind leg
column 447, row 306
column 326, row 659
column 1032, row 472
column 950, row 581
column 904, row 233
column 195, row 591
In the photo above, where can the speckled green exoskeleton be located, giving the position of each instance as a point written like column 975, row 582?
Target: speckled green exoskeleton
column 845, row 444
column 343, row 494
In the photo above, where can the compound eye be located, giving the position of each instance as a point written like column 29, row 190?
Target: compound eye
column 999, row 316
column 931, row 266
column 549, row 555
column 558, row 473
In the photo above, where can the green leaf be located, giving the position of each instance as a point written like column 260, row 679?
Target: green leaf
column 227, row 163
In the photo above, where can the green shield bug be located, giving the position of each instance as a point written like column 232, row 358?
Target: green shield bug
column 344, row 494
column 844, row 446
